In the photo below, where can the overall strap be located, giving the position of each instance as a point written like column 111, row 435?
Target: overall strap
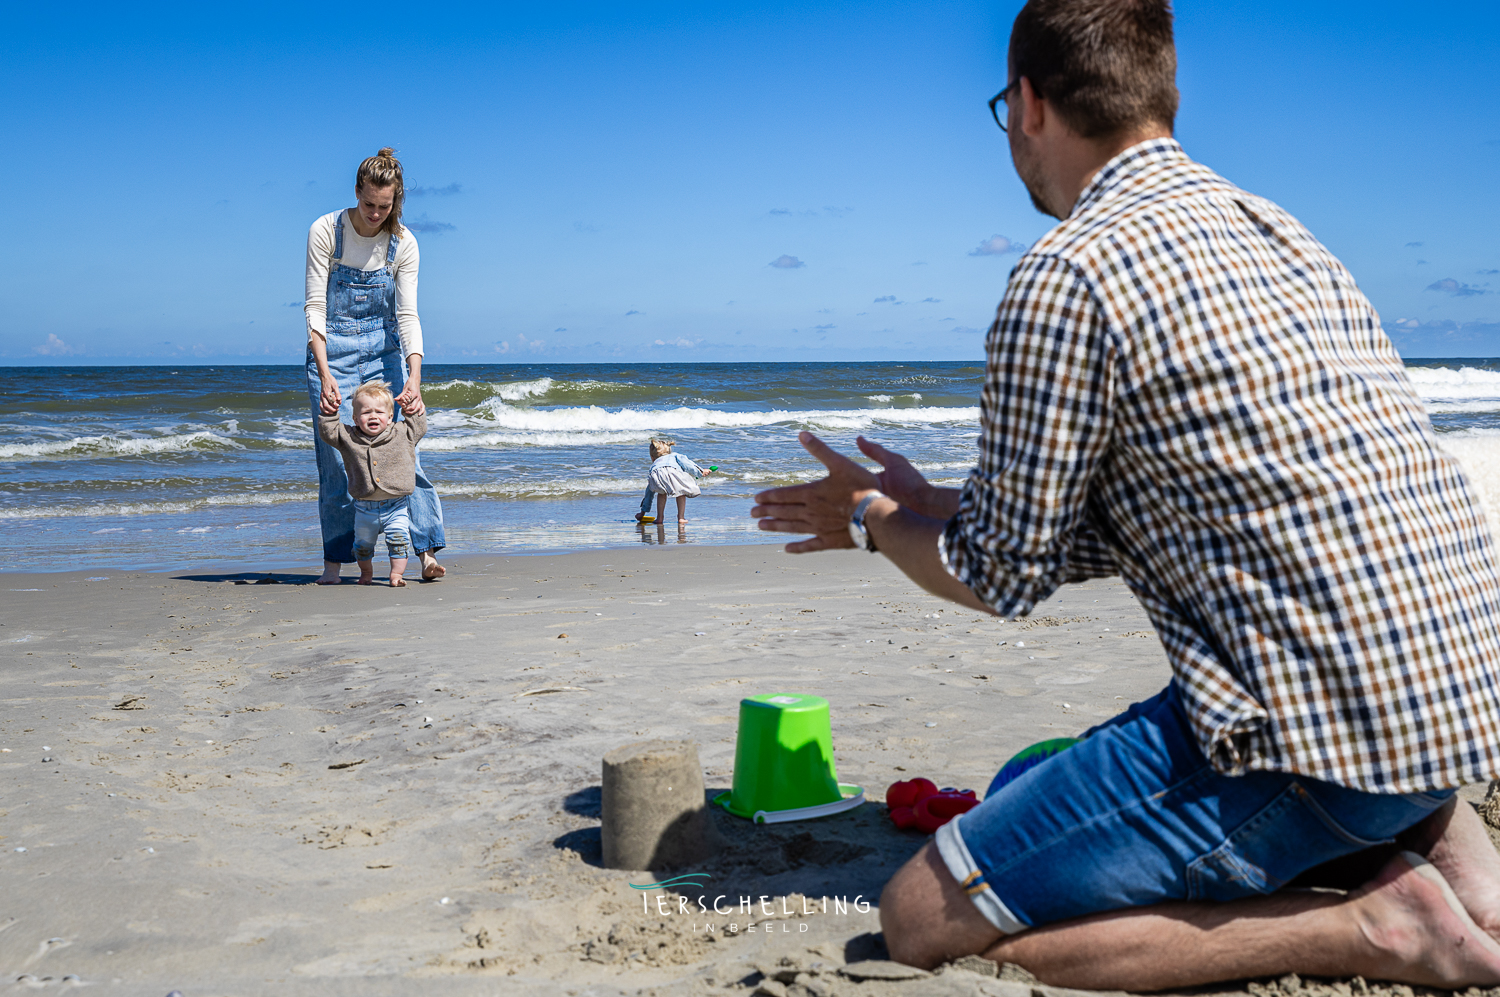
column 390, row 250
column 338, row 238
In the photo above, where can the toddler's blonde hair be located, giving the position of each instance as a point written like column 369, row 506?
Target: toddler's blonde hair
column 377, row 389
column 660, row 448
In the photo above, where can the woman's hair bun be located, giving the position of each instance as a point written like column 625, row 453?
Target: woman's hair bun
column 387, row 152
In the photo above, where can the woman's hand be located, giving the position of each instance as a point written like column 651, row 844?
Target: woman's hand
column 329, row 399
column 410, row 398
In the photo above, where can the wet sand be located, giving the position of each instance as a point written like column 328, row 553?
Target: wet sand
column 227, row 788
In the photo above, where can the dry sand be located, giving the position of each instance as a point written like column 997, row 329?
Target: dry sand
column 232, row 789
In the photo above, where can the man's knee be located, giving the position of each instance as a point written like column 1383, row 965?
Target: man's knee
column 927, row 918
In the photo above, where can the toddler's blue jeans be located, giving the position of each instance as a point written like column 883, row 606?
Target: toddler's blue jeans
column 1135, row 815
column 389, row 516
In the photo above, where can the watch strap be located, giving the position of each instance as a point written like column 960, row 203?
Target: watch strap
column 858, row 519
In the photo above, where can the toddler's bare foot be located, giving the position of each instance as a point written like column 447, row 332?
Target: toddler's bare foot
column 330, row 575
column 431, row 570
column 366, row 580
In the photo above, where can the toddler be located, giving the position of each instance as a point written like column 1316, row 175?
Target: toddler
column 380, row 462
column 669, row 476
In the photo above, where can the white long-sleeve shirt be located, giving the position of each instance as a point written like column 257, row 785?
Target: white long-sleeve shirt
column 362, row 254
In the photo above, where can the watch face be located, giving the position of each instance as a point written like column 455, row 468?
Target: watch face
column 857, row 534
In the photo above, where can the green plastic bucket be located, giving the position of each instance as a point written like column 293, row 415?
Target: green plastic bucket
column 783, row 762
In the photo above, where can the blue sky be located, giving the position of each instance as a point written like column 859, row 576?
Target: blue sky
column 619, row 181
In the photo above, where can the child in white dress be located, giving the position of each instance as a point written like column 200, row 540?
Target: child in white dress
column 671, row 474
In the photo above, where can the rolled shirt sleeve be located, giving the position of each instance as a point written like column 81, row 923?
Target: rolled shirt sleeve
column 1023, row 525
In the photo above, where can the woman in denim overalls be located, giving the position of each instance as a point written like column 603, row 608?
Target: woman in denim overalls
column 363, row 341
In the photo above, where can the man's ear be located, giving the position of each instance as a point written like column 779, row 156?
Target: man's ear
column 1034, row 110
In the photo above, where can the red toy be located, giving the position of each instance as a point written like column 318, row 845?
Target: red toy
column 920, row 804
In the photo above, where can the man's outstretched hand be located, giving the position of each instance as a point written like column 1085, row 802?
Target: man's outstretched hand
column 821, row 507
column 899, row 479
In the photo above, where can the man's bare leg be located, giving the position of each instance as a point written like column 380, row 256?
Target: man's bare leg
column 1455, row 841
column 1400, row 926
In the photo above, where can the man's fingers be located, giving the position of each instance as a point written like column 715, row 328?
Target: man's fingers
column 873, row 450
column 808, row 546
column 788, row 495
column 822, row 451
column 767, row 510
column 785, row 525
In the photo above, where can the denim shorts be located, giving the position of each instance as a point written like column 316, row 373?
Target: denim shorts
column 1134, row 815
column 389, row 516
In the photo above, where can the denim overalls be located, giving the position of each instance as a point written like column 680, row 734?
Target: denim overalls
column 363, row 345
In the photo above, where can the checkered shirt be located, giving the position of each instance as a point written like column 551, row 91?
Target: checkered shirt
column 1184, row 387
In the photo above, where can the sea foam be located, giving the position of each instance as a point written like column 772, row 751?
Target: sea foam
column 123, row 446
column 595, row 418
column 1447, row 384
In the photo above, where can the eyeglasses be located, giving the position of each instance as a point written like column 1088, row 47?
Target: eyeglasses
column 999, row 98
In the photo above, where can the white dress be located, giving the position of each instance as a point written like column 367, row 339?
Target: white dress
column 670, row 478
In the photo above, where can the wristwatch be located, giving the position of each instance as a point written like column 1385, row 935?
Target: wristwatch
column 857, row 531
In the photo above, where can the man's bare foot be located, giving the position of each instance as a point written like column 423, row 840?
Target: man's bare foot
column 682, row 522
column 330, row 575
column 1418, row 930
column 398, row 582
column 640, row 517
column 431, row 570
column 1454, row 840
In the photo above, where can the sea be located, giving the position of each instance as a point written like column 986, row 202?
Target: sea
column 163, row 468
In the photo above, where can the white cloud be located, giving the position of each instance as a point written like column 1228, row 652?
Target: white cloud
column 784, row 262
column 54, row 347
column 685, row 344
column 522, row 345
column 997, row 245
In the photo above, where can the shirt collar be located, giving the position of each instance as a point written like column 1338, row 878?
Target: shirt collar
column 1139, row 157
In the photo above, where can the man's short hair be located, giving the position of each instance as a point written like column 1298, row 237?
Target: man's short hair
column 377, row 390
column 1106, row 66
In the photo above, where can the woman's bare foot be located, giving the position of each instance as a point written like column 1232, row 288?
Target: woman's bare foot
column 330, row 575
column 431, row 570
column 1419, row 931
column 682, row 522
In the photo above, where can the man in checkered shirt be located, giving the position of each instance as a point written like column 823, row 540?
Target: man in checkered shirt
column 1185, row 388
